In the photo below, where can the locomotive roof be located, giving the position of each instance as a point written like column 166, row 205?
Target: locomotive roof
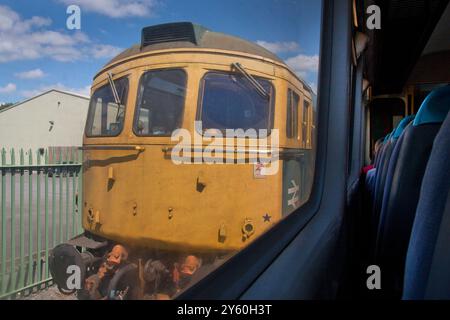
column 189, row 35
column 185, row 35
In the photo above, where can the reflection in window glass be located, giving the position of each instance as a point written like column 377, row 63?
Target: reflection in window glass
column 160, row 102
column 230, row 102
column 105, row 116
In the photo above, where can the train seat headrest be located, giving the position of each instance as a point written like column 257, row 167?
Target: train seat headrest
column 435, row 107
column 402, row 125
column 387, row 137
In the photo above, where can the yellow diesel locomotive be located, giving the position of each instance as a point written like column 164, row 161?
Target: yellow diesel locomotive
column 196, row 142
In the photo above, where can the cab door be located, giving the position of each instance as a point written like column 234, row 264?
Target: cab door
column 112, row 168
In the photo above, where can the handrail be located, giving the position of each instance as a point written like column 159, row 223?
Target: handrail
column 112, row 147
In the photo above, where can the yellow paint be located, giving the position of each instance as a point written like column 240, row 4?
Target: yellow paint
column 111, row 173
column 140, row 197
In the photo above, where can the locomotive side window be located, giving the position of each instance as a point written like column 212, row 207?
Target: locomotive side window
column 292, row 115
column 305, row 124
column 229, row 101
column 106, row 116
column 160, row 102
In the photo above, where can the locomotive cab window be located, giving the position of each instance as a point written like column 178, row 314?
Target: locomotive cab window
column 106, row 115
column 160, row 102
column 230, row 101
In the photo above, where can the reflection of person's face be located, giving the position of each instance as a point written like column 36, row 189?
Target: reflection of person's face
column 117, row 255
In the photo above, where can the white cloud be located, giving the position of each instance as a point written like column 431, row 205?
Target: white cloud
column 22, row 39
column 116, row 8
column 279, row 47
column 58, row 86
column 10, row 87
column 105, row 51
column 303, row 64
column 31, row 74
column 11, row 21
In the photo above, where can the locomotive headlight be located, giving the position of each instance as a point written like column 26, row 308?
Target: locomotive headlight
column 248, row 228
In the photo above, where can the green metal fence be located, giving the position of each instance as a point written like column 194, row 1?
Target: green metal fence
column 40, row 197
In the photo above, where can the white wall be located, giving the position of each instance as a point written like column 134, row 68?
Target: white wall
column 27, row 125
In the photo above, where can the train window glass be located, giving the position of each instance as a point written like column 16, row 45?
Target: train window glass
column 106, row 117
column 190, row 201
column 160, row 102
column 229, row 101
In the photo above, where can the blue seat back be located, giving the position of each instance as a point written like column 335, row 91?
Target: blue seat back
column 427, row 270
column 400, row 201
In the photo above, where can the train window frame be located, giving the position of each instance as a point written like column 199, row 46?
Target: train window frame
column 90, row 116
column 271, row 118
column 136, row 106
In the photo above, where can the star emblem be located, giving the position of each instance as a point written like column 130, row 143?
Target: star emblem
column 266, row 217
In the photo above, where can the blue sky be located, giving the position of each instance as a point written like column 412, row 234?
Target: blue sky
column 38, row 52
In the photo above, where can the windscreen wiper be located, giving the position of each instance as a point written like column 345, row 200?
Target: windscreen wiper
column 115, row 94
column 259, row 88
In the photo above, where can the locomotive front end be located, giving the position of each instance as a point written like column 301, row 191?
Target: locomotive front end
column 184, row 163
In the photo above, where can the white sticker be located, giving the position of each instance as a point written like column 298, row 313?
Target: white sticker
column 293, row 201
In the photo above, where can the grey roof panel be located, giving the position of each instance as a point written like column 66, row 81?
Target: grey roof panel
column 206, row 39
